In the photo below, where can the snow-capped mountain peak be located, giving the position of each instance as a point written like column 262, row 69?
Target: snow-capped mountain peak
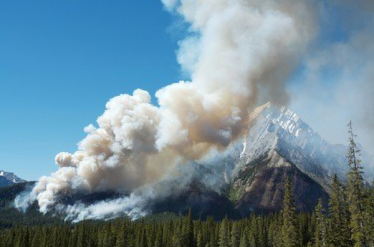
column 286, row 119
column 8, row 178
column 280, row 130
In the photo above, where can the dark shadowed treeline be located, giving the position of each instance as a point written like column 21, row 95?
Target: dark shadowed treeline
column 332, row 226
column 283, row 229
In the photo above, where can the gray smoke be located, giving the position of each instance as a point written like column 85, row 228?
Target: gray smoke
column 238, row 53
column 338, row 82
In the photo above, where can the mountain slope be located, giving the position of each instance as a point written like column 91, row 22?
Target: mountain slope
column 280, row 144
column 9, row 178
column 281, row 130
column 260, row 186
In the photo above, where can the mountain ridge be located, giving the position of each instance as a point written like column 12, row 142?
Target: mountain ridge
column 9, row 178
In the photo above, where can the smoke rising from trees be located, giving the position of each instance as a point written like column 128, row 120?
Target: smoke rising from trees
column 239, row 53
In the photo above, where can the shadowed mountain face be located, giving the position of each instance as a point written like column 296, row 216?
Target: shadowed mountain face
column 202, row 201
column 259, row 187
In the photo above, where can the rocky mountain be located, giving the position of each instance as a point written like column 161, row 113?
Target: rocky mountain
column 9, row 178
column 280, row 130
column 278, row 145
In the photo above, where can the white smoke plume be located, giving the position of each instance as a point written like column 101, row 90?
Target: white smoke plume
column 238, row 53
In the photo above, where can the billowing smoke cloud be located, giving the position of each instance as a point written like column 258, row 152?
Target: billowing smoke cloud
column 238, row 53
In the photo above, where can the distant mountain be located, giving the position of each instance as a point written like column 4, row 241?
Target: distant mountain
column 278, row 145
column 280, row 130
column 9, row 178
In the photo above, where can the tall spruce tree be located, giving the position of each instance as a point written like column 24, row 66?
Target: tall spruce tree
column 290, row 237
column 235, row 235
column 200, row 242
column 224, row 234
column 320, row 236
column 188, row 231
column 244, row 239
column 338, row 226
column 355, row 192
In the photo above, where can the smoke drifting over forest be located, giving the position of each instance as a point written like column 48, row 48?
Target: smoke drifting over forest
column 239, row 53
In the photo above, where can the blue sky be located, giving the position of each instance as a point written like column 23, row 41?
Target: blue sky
column 60, row 62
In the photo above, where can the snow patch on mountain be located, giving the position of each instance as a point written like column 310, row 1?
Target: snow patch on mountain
column 8, row 178
column 280, row 130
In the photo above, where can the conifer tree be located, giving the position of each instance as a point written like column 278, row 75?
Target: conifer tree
column 143, row 239
column 321, row 229
column 261, row 239
column 81, row 236
column 120, row 240
column 158, row 240
column 108, row 237
column 339, row 230
column 290, row 236
column 355, row 192
column 200, row 242
column 224, row 234
column 277, row 233
column 235, row 236
column 244, row 240
column 188, row 231
column 212, row 240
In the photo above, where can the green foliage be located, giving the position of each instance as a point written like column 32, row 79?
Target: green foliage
column 320, row 236
column 235, row 235
column 233, row 194
column 224, row 234
column 355, row 192
column 339, row 233
column 256, row 230
column 290, row 236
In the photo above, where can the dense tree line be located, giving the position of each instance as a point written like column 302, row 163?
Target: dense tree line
column 347, row 219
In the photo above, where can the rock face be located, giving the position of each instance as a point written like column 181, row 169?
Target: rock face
column 259, row 187
column 9, row 178
column 278, row 145
column 282, row 131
